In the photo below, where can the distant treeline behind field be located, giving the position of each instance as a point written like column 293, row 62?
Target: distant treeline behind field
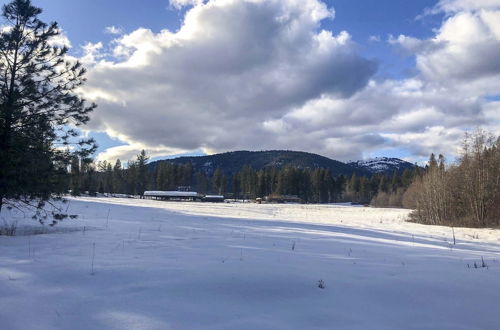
column 465, row 193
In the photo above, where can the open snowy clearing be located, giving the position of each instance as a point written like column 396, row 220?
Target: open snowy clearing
column 174, row 265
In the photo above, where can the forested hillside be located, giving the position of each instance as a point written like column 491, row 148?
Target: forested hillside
column 232, row 162
column 313, row 184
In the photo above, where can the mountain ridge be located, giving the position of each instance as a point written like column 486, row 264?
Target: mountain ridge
column 380, row 165
column 232, row 162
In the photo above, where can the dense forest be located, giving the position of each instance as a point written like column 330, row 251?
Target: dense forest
column 311, row 185
column 234, row 161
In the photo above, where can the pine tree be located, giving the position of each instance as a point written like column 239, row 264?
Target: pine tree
column 90, row 184
column 117, row 177
column 395, row 181
column 130, row 178
column 75, row 184
column 202, row 182
column 108, row 179
column 38, row 105
column 218, row 181
column 142, row 172
column 236, row 183
column 161, row 176
column 261, row 184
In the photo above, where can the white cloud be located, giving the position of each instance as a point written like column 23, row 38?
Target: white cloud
column 129, row 152
column 438, row 139
column 91, row 53
column 454, row 6
column 470, row 48
column 60, row 40
column 465, row 48
column 220, row 81
column 410, row 45
column 113, row 30
column 178, row 4
column 261, row 74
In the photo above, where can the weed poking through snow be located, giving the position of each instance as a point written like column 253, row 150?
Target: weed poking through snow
column 8, row 229
column 93, row 256
column 476, row 265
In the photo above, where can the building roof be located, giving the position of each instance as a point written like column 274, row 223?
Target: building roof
column 172, row 193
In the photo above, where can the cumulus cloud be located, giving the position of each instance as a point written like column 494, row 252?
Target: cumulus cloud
column 263, row 74
column 465, row 48
column 439, row 139
column 454, row 6
column 459, row 69
column 231, row 67
column 178, row 4
column 60, row 40
column 113, row 30
column 130, row 151
column 380, row 115
column 470, row 51
column 410, row 45
column 91, row 53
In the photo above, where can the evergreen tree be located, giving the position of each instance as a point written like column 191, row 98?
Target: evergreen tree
column 75, row 182
column 89, row 184
column 383, row 185
column 161, row 176
column 236, row 183
column 218, row 181
column 130, row 178
column 202, row 182
column 142, row 172
column 38, row 105
column 260, row 190
column 187, row 174
column 108, row 179
column 117, row 177
column 395, row 181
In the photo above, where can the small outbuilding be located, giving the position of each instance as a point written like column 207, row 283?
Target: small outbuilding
column 173, row 195
column 213, row 198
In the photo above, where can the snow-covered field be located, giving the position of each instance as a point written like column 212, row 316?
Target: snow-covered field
column 173, row 265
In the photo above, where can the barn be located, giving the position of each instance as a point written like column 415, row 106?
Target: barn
column 173, row 195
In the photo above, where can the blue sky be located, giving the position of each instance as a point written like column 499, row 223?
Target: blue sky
column 398, row 82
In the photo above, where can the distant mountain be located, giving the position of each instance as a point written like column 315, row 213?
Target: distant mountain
column 233, row 162
column 382, row 165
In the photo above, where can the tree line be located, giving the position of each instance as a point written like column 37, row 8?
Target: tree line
column 465, row 193
column 311, row 185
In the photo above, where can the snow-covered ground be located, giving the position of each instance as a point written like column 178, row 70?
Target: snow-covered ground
column 174, row 265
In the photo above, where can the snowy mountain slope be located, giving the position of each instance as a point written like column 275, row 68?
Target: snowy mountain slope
column 173, row 265
column 382, row 165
